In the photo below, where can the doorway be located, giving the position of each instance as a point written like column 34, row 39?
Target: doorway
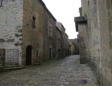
column 2, row 57
column 29, row 55
column 50, row 53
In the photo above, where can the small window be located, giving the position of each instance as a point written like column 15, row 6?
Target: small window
column 33, row 21
column 88, row 2
column 1, row 3
column 50, row 53
column 37, row 53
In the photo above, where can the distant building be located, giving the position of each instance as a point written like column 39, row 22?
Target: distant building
column 73, row 46
column 64, row 51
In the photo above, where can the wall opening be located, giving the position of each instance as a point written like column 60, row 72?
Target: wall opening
column 2, row 57
column 88, row 2
column 29, row 55
column 34, row 22
column 1, row 3
column 50, row 53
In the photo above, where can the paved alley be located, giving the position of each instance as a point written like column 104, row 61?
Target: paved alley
column 64, row 72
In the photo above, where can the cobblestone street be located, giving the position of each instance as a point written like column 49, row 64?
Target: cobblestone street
column 64, row 72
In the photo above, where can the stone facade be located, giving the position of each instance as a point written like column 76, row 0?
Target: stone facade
column 52, row 37
column 104, row 25
column 63, row 41
column 11, row 13
column 74, row 46
column 28, row 33
column 96, row 34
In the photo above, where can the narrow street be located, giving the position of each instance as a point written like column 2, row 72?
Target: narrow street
column 64, row 72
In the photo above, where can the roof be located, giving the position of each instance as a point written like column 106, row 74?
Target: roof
column 43, row 4
column 60, row 26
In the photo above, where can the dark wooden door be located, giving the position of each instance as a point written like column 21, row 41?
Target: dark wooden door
column 29, row 55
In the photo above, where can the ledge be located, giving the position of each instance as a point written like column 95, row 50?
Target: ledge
column 80, row 20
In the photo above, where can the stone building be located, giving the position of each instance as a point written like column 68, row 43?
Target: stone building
column 104, row 18
column 76, row 44
column 34, row 30
column 51, row 36
column 27, row 32
column 59, row 42
column 96, row 36
column 73, row 46
column 63, row 41
column 66, row 45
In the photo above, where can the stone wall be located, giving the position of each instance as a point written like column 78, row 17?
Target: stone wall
column 104, row 24
column 40, row 32
column 89, row 11
column 74, row 46
column 82, row 43
column 37, row 35
column 52, row 36
column 98, row 36
column 11, row 12
column 65, row 44
column 63, row 40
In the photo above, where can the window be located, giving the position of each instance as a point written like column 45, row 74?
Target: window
column 33, row 21
column 88, row 2
column 50, row 53
column 109, row 12
column 50, row 29
column 1, row 3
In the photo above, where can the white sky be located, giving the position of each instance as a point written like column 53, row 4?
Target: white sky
column 65, row 11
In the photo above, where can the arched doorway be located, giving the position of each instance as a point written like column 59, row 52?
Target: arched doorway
column 29, row 55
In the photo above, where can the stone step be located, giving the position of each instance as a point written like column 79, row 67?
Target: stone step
column 7, row 68
column 13, row 67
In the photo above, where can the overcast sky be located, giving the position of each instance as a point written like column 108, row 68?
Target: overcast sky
column 65, row 11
